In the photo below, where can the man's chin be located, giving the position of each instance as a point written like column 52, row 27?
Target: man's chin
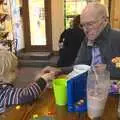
column 91, row 38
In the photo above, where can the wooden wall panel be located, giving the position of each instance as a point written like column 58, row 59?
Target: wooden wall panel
column 115, row 14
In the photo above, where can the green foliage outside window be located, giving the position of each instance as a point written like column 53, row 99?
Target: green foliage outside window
column 73, row 8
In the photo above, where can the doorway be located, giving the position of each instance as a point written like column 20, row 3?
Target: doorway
column 37, row 25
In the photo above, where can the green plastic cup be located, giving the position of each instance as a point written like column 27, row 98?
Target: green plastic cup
column 60, row 91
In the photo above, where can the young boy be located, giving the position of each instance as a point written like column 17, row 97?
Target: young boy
column 10, row 95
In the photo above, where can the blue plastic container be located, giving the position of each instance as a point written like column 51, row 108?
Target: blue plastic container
column 77, row 90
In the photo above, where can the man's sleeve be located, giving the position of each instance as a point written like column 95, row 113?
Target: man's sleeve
column 80, row 56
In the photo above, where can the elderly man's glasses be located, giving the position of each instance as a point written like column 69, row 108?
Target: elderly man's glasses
column 90, row 24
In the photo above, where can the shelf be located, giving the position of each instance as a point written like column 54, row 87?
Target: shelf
column 3, row 17
column 3, row 31
column 6, row 38
column 1, row 1
column 3, row 13
column 3, row 35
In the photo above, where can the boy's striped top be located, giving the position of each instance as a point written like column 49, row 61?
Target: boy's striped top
column 10, row 95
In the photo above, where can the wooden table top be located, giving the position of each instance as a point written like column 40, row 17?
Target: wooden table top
column 45, row 106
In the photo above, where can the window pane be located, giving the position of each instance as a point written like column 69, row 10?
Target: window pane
column 73, row 8
column 37, row 22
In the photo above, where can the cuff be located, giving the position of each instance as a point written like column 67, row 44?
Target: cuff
column 42, row 83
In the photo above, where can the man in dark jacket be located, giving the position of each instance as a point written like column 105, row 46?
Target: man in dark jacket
column 70, row 42
column 101, row 43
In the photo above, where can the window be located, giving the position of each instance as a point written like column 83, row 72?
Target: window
column 37, row 25
column 71, row 9
column 37, row 22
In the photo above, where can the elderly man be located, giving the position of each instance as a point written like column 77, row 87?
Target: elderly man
column 101, row 43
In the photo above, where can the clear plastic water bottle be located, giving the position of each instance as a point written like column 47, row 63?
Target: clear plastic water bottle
column 98, row 84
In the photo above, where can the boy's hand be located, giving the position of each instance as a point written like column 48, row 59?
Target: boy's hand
column 48, row 69
column 49, row 73
column 48, row 76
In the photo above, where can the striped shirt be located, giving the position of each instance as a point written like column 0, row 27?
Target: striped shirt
column 10, row 95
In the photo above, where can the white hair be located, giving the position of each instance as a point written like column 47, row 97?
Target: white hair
column 98, row 9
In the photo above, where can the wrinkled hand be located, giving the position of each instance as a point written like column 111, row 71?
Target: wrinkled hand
column 49, row 73
column 48, row 69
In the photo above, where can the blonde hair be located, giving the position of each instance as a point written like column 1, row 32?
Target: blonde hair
column 8, row 63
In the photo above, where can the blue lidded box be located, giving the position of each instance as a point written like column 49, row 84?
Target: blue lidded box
column 76, row 91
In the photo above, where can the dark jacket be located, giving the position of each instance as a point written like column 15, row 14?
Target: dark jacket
column 109, row 44
column 71, row 39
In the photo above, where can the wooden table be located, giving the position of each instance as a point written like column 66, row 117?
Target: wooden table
column 45, row 106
